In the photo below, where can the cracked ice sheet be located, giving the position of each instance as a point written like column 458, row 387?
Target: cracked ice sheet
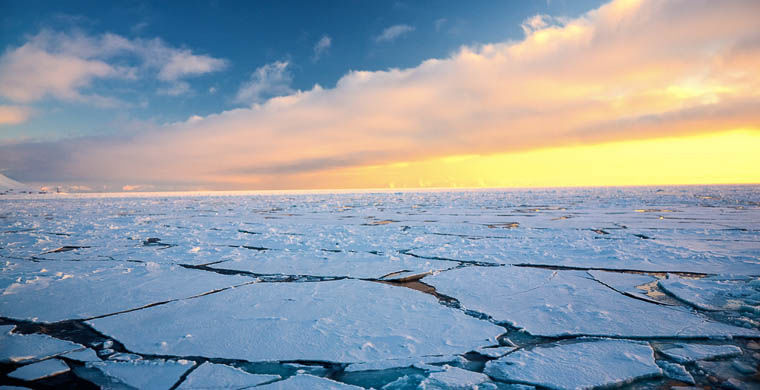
column 624, row 282
column 306, row 381
column 684, row 353
column 355, row 265
column 581, row 365
column 154, row 374
column 339, row 321
column 220, row 376
column 561, row 303
column 57, row 291
column 39, row 370
column 19, row 348
column 720, row 292
column 454, row 378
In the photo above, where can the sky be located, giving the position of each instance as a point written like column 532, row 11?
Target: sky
column 225, row 95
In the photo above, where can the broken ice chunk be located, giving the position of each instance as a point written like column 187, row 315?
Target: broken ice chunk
column 84, row 355
column 306, row 381
column 142, row 374
column 716, row 292
column 624, row 282
column 97, row 289
column 561, row 303
column 454, row 378
column 401, row 363
column 19, row 348
column 40, row 370
column 684, row 353
column 210, row 375
column 495, row 352
column 587, row 364
column 675, row 371
column 338, row 321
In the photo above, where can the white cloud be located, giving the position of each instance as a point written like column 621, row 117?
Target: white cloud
column 628, row 70
column 391, row 33
column 175, row 89
column 266, row 82
column 64, row 66
column 322, row 45
column 13, row 115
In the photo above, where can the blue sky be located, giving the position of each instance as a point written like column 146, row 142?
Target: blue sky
column 249, row 35
column 102, row 96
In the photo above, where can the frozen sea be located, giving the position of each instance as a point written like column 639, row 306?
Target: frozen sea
column 640, row 288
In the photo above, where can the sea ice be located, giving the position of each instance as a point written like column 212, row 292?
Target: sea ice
column 101, row 288
column 624, row 282
column 339, row 321
column 306, row 381
column 399, row 363
column 84, row 355
column 454, row 378
column 156, row 374
column 580, row 365
column 562, row 303
column 39, row 370
column 716, row 292
column 675, row 371
column 684, row 353
column 220, row 376
column 19, row 348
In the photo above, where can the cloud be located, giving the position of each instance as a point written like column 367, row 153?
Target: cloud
column 321, row 47
column 391, row 33
column 266, row 82
column 627, row 70
column 13, row 115
column 63, row 66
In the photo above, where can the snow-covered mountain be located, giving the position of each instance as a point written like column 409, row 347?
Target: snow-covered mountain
column 8, row 184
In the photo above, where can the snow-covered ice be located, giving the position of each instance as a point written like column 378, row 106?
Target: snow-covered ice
column 454, row 378
column 19, row 348
column 675, row 371
column 380, row 289
column 306, row 381
column 553, row 303
column 339, row 321
column 684, row 353
column 39, row 370
column 581, row 365
column 220, row 376
column 157, row 374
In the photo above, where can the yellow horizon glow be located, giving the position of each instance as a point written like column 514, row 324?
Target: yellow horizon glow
column 731, row 157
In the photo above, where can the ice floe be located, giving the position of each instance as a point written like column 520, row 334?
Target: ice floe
column 675, row 371
column 716, row 292
column 561, row 303
column 306, row 381
column 95, row 289
column 144, row 374
column 338, row 321
column 580, row 365
column 684, row 353
column 221, row 376
column 40, row 370
column 19, row 348
column 454, row 378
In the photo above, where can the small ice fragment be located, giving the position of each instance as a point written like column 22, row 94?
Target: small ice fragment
column 19, row 348
column 675, row 371
column 143, row 374
column 454, row 378
column 684, row 353
column 84, row 355
column 579, row 365
column 210, row 375
column 496, row 352
column 743, row 368
column 39, row 370
column 306, row 381
column 124, row 357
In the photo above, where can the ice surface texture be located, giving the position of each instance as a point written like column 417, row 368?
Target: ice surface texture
column 583, row 365
column 379, row 289
column 338, row 321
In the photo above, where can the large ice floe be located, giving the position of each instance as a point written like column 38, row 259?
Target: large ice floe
column 571, row 288
column 338, row 321
column 554, row 304
column 581, row 365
